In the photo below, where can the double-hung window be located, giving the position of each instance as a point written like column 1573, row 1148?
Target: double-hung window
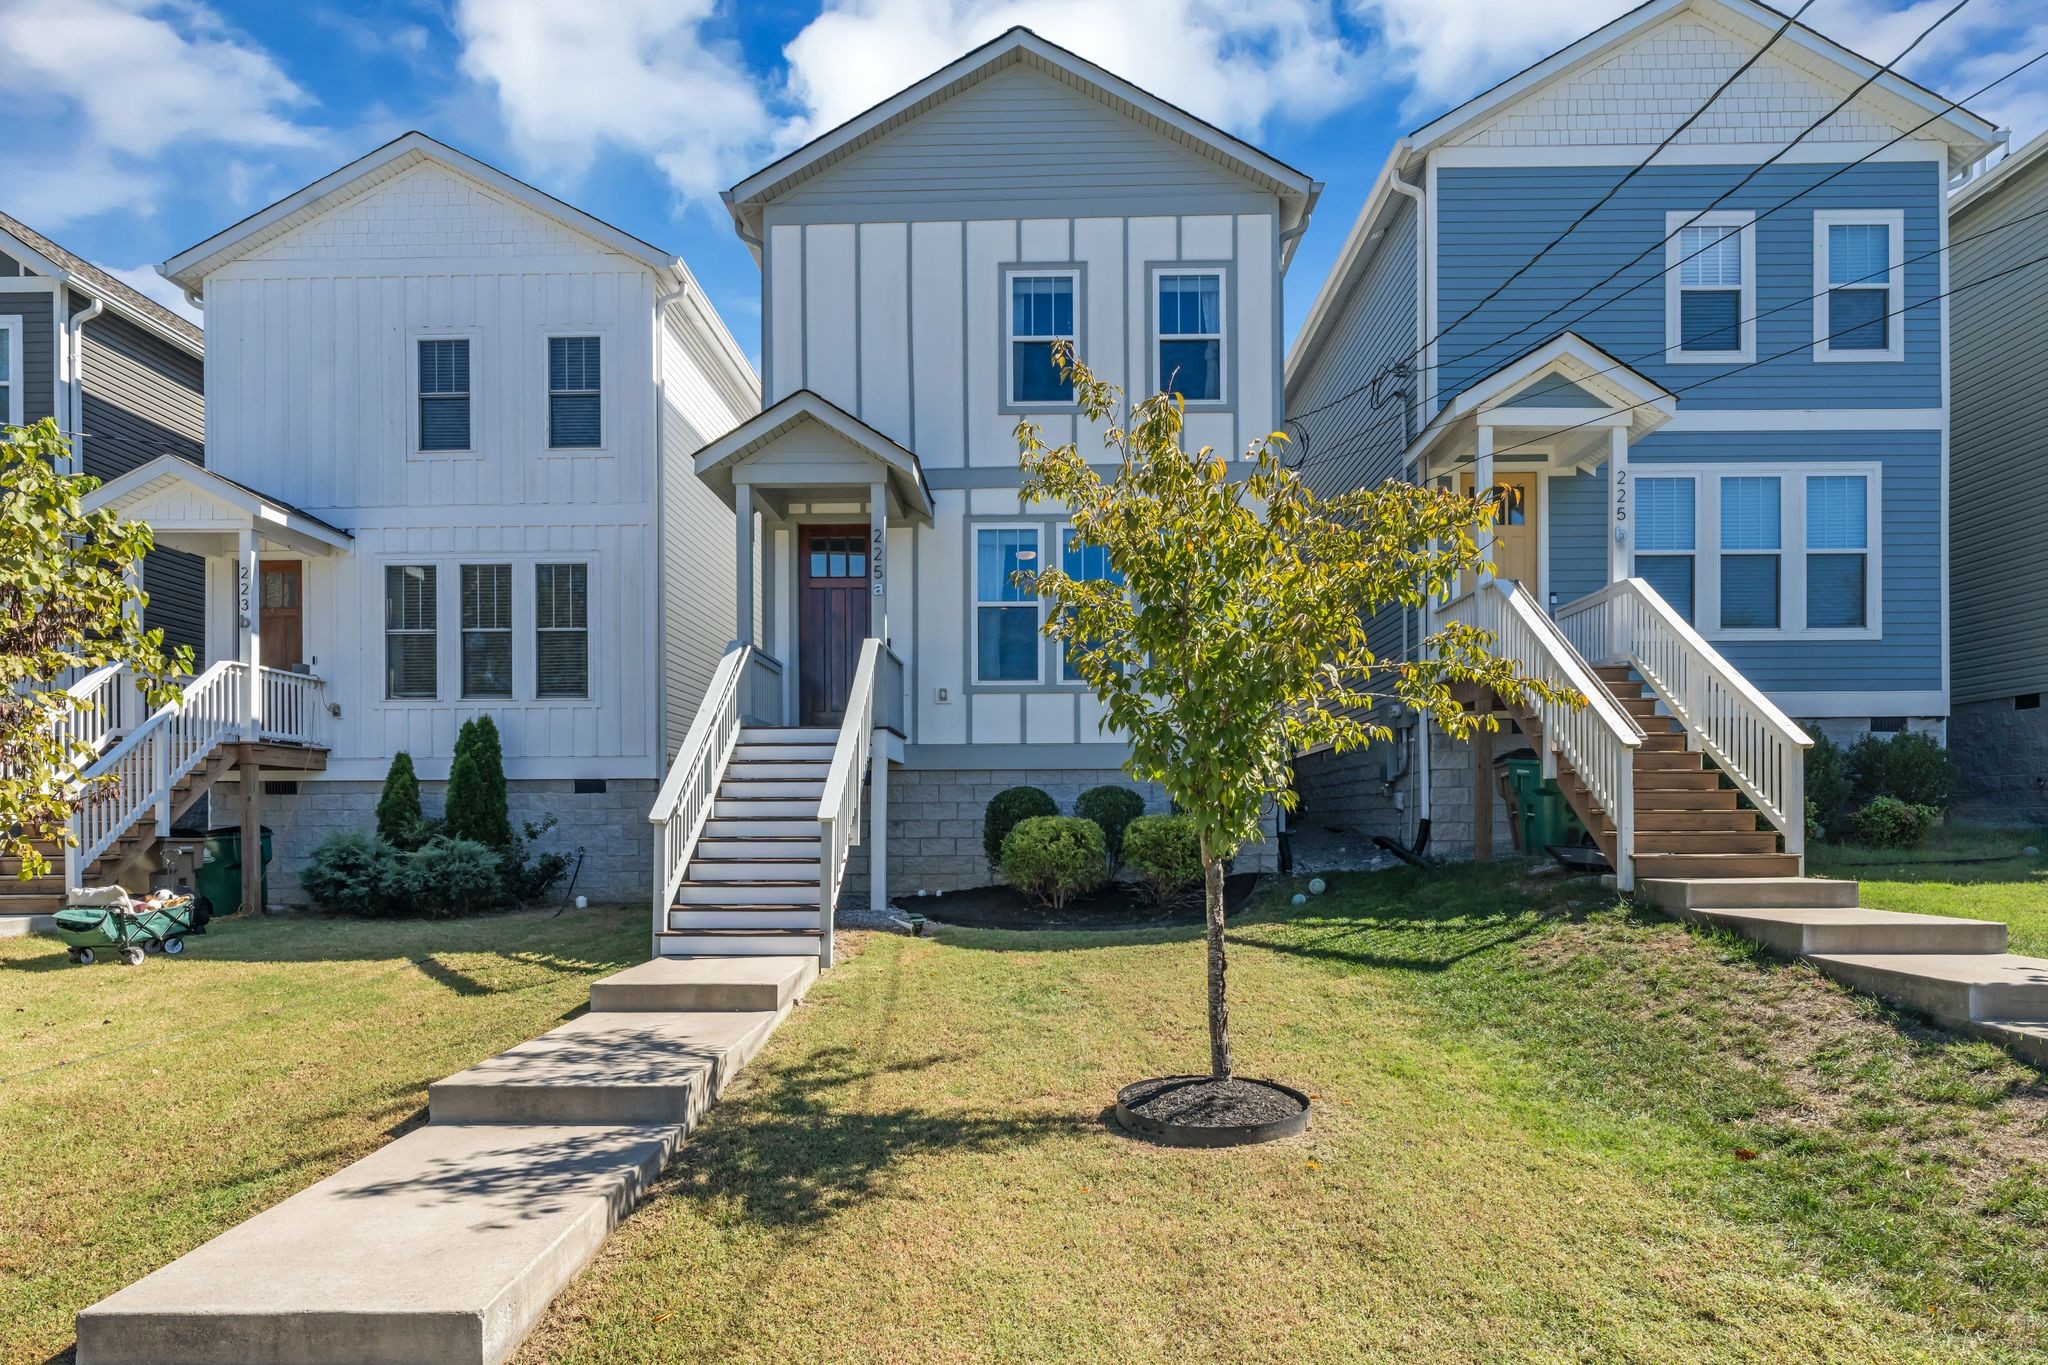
column 575, row 394
column 1005, row 613
column 1857, row 263
column 1666, row 545
column 1752, row 560
column 444, row 393
column 1041, row 315
column 10, row 371
column 1191, row 336
column 1084, row 564
column 487, row 630
column 1837, row 552
column 561, row 619
column 411, row 637
column 1710, row 287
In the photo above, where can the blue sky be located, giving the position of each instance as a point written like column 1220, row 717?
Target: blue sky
column 142, row 126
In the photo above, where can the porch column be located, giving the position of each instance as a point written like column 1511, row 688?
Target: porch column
column 1620, row 503
column 743, row 563
column 1482, row 486
column 878, row 561
column 249, row 617
column 878, row 825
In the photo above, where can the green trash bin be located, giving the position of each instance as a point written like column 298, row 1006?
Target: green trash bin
column 1546, row 818
column 220, row 869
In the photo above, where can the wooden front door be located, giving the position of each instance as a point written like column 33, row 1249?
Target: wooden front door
column 283, row 640
column 1514, row 527
column 832, row 618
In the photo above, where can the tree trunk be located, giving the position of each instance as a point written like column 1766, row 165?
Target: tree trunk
column 1219, row 1008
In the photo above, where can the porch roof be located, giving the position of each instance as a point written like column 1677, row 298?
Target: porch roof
column 189, row 507
column 1564, row 393
column 806, row 441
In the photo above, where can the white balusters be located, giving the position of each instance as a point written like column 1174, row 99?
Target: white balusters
column 684, row 802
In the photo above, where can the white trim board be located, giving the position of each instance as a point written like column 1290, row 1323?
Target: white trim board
column 1806, row 419
column 1861, row 704
column 1691, row 154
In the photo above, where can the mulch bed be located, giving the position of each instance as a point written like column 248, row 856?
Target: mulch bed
column 1201, row 1111
column 1111, row 907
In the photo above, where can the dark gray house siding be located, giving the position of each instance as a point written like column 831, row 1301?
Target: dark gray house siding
column 144, row 397
column 38, row 350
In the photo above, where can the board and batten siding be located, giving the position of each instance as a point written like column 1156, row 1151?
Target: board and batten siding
column 1998, row 497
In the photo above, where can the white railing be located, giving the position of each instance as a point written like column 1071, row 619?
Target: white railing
column 761, row 688
column 293, row 704
column 839, row 807
column 1598, row 739
column 1723, row 713
column 95, row 709
column 684, row 802
column 142, row 769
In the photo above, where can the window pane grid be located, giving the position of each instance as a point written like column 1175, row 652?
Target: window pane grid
column 1710, row 257
column 1086, row 564
column 410, row 620
column 1005, row 614
column 1191, row 336
column 574, row 392
column 1664, row 514
column 487, row 630
column 1041, row 313
column 444, row 394
column 1859, row 253
column 561, row 612
column 1749, row 513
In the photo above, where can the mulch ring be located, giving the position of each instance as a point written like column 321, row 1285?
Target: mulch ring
column 1122, row 906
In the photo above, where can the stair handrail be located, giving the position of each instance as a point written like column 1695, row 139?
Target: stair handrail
column 1599, row 739
column 292, row 706
column 1724, row 714
column 149, row 761
column 93, row 707
column 684, row 802
column 839, row 806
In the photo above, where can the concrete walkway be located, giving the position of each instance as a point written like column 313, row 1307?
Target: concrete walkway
column 1955, row 971
column 448, row 1244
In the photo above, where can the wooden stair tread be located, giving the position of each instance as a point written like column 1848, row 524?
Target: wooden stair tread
column 739, row 933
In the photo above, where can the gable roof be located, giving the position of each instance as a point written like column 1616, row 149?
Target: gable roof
column 123, row 298
column 1906, row 101
column 1630, row 397
column 1297, row 190
column 716, row 461
column 272, row 516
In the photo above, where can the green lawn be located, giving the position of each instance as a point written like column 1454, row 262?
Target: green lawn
column 143, row 1110
column 1546, row 1128
column 1973, row 871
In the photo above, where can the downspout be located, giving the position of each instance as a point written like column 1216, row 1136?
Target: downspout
column 661, row 303
column 1414, row 192
column 74, row 330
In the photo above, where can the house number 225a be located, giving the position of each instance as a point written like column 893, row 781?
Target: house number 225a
column 879, row 548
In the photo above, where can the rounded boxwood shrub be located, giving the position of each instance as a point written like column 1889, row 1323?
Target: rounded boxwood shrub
column 446, row 877
column 1166, row 853
column 1891, row 823
column 1005, row 809
column 1113, row 808
column 1053, row 858
column 348, row 872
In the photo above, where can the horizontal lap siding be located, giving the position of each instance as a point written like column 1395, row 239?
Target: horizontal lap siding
column 38, row 351
column 1908, row 655
column 1998, row 455
column 1576, row 505
column 698, row 572
column 1491, row 220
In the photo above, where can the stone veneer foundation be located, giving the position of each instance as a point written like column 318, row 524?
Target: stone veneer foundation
column 2001, row 755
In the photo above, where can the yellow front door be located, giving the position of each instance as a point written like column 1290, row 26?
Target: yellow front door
column 1514, row 526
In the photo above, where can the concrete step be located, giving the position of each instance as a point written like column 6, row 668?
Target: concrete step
column 609, row 1069
column 788, row 734
column 739, row 942
column 1747, row 893
column 724, row 807
column 755, row 769
column 750, row 893
column 779, row 867
column 1706, row 841
column 738, row 915
column 1689, row 865
column 771, row 847
column 1952, row 988
column 772, row 789
column 13, row 924
column 2026, row 1039
column 446, row 1245
column 1853, row 929
column 757, row 828
column 686, row 984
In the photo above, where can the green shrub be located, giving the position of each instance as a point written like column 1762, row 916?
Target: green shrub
column 1908, row 767
column 399, row 820
column 446, row 877
column 1166, row 853
column 1053, row 858
column 476, row 787
column 1005, row 809
column 1829, row 797
column 1888, row 822
column 528, row 875
column 348, row 871
column 1113, row 808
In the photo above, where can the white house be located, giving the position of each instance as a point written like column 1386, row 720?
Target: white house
column 449, row 422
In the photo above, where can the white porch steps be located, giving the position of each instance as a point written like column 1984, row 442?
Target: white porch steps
column 1955, row 971
column 753, row 883
column 448, row 1244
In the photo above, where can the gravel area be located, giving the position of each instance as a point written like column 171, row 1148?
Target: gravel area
column 1317, row 848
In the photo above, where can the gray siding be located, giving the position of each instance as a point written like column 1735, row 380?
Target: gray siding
column 1998, row 481
column 698, row 572
column 38, row 351
column 143, row 398
column 1017, row 136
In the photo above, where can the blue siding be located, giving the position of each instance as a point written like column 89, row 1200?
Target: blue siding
column 1491, row 220
column 1908, row 655
column 1578, row 534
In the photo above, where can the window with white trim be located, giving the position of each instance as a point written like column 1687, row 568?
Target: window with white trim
column 1859, row 268
column 1191, row 335
column 487, row 630
column 1752, row 560
column 575, row 393
column 1710, row 287
column 561, row 620
column 10, row 371
column 1041, row 315
column 411, row 632
column 444, row 393
column 1666, row 547
column 1005, row 613
column 1837, row 552
column 1083, row 564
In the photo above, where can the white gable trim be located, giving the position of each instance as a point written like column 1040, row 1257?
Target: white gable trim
column 234, row 505
column 717, row 462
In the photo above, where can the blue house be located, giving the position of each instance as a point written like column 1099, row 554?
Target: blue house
column 1708, row 390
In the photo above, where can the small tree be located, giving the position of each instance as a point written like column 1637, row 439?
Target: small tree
column 1235, row 636
column 477, row 806
column 67, row 605
column 398, row 808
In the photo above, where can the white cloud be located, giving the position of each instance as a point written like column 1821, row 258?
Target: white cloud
column 1447, row 51
column 144, row 280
